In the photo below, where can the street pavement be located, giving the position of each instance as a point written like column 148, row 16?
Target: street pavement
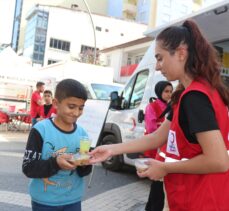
column 129, row 197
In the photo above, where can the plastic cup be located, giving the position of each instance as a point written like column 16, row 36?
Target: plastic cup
column 141, row 165
column 80, row 159
column 85, row 144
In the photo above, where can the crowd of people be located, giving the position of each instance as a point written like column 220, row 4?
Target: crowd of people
column 186, row 135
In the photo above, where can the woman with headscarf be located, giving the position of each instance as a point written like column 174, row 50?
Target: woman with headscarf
column 154, row 116
column 154, row 110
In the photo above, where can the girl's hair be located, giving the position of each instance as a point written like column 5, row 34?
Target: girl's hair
column 70, row 88
column 202, row 61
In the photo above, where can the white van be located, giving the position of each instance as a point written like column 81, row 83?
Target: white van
column 124, row 120
column 101, row 91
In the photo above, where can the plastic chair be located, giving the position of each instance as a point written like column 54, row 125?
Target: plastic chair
column 27, row 120
column 4, row 119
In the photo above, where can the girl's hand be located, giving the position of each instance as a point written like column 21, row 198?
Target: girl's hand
column 100, row 154
column 64, row 162
column 156, row 170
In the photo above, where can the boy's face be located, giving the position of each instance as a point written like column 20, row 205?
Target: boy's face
column 47, row 98
column 69, row 109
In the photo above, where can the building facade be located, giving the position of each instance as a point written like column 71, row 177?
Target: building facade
column 55, row 33
column 124, row 58
column 156, row 12
column 23, row 7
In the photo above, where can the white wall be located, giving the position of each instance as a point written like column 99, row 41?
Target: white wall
column 76, row 27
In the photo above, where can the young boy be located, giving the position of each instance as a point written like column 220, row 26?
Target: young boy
column 57, row 184
column 48, row 109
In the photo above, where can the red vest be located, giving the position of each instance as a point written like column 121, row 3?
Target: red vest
column 192, row 192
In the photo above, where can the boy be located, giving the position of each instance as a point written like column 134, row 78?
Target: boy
column 47, row 110
column 57, row 184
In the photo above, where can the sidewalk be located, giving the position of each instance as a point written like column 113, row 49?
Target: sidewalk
column 131, row 197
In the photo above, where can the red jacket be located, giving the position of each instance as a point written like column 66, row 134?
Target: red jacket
column 152, row 121
column 192, row 192
column 34, row 108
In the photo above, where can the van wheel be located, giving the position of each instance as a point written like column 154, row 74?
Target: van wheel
column 114, row 163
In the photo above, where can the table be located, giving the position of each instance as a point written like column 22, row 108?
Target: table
column 16, row 119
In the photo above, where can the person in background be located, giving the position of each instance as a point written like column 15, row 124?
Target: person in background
column 36, row 101
column 154, row 116
column 57, row 182
column 48, row 109
column 196, row 167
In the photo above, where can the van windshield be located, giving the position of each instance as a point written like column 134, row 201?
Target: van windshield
column 102, row 91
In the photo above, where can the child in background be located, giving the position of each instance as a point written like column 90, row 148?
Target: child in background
column 47, row 110
column 57, row 184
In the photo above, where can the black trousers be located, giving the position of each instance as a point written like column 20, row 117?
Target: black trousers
column 156, row 197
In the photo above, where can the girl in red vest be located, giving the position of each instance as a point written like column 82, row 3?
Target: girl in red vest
column 196, row 168
column 154, row 116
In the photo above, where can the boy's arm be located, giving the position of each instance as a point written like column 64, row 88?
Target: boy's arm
column 33, row 166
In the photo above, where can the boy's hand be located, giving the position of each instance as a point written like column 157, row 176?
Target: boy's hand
column 64, row 162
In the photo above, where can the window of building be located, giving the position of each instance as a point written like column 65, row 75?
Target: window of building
column 98, row 28
column 122, row 34
column 143, row 2
column 128, row 61
column 142, row 16
column 108, row 60
column 85, row 49
column 59, row 44
column 138, row 59
column 51, row 61
column 106, row 30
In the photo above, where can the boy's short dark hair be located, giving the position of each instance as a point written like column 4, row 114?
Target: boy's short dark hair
column 39, row 84
column 47, row 92
column 70, row 88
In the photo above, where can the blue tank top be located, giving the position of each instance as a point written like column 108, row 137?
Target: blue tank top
column 65, row 187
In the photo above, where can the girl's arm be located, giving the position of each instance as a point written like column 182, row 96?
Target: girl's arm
column 214, row 159
column 150, row 141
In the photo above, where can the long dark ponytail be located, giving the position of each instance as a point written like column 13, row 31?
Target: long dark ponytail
column 202, row 61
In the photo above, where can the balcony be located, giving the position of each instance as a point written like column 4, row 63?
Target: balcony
column 129, row 8
column 128, row 70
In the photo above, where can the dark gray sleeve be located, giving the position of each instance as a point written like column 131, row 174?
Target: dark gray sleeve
column 33, row 166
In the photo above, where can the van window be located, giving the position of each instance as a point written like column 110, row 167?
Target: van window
column 127, row 93
column 139, row 89
column 133, row 93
